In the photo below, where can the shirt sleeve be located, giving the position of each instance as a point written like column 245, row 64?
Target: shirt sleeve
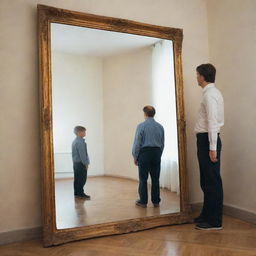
column 162, row 142
column 87, row 156
column 82, row 151
column 137, row 143
column 211, row 112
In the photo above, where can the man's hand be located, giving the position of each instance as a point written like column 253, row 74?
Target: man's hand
column 136, row 162
column 213, row 156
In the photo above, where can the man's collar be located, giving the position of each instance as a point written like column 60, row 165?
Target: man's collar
column 210, row 85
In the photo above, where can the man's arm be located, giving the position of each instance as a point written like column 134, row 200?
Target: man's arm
column 162, row 142
column 211, row 112
column 137, row 143
column 87, row 156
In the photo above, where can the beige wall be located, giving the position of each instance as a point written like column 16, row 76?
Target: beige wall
column 232, row 40
column 20, row 157
column 127, row 88
column 77, row 89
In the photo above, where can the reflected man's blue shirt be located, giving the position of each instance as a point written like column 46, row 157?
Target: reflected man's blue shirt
column 148, row 134
column 79, row 151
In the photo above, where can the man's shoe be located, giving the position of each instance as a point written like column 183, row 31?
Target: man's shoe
column 87, row 197
column 79, row 196
column 138, row 203
column 207, row 226
column 199, row 219
column 156, row 205
column 83, row 196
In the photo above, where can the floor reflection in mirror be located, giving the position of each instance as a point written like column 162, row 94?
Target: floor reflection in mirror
column 112, row 199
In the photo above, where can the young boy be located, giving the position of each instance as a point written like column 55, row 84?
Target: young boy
column 80, row 162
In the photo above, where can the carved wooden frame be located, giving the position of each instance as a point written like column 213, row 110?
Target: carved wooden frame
column 52, row 235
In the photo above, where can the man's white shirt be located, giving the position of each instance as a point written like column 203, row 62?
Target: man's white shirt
column 211, row 114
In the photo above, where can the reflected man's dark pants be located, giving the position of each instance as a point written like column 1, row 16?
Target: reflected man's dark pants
column 80, row 177
column 149, row 162
column 210, row 181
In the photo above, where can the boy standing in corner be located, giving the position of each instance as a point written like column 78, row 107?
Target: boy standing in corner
column 80, row 162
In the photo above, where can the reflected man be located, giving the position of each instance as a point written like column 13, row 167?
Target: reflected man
column 209, row 122
column 80, row 162
column 147, row 151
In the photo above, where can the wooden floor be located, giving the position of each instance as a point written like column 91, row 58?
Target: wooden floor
column 112, row 200
column 236, row 239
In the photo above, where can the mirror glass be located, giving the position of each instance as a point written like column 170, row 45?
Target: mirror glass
column 101, row 80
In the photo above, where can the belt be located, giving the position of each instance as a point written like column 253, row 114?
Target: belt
column 204, row 134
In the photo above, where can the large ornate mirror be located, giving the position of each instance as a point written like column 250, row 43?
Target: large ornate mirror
column 98, row 73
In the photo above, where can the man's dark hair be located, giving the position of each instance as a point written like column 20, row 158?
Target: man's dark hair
column 79, row 129
column 149, row 111
column 208, row 71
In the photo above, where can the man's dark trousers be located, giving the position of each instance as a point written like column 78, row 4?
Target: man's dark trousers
column 149, row 162
column 210, row 181
column 80, row 177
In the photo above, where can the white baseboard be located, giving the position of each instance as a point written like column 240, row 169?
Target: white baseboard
column 63, row 175
column 66, row 175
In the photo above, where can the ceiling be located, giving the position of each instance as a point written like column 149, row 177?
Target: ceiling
column 94, row 42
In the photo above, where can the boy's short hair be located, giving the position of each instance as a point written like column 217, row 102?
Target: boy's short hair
column 79, row 129
column 149, row 111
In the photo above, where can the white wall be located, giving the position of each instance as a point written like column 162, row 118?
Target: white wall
column 127, row 89
column 232, row 39
column 77, row 100
column 19, row 104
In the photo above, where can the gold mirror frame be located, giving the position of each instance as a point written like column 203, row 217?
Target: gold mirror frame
column 52, row 235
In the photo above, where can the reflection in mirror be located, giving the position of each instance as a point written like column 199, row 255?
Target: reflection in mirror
column 101, row 80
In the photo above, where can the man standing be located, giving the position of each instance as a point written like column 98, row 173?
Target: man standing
column 209, row 122
column 147, row 151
